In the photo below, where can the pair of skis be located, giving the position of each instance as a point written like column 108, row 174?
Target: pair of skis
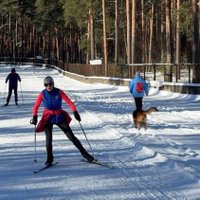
column 95, row 162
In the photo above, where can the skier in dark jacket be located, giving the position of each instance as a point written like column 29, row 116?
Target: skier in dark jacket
column 13, row 79
column 138, row 87
column 54, row 114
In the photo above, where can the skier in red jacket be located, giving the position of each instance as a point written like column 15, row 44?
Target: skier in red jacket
column 54, row 114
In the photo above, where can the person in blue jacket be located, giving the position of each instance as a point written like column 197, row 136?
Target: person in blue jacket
column 138, row 87
column 13, row 79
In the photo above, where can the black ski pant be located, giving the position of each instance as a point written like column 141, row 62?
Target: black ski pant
column 138, row 103
column 68, row 132
column 10, row 93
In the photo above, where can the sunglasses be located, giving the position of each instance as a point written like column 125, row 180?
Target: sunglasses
column 48, row 84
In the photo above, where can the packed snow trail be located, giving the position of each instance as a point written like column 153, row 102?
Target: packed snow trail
column 161, row 162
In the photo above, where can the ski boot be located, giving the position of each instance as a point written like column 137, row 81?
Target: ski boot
column 49, row 161
column 88, row 157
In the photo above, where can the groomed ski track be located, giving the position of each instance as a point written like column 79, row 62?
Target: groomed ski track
column 159, row 163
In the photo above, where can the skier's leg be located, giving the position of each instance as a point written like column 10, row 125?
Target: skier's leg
column 16, row 98
column 68, row 132
column 138, row 103
column 9, row 95
column 48, row 133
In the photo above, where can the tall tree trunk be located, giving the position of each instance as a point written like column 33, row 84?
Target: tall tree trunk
column 178, row 38
column 15, row 37
column 10, row 34
column 57, row 44
column 116, row 32
column 32, row 43
column 88, row 43
column 168, row 70
column 151, row 32
column 133, row 31
column 49, row 45
column 128, row 33
column 92, row 39
column 162, row 30
column 143, row 32
column 104, row 38
column 195, row 42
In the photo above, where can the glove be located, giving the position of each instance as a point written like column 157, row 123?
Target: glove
column 34, row 120
column 77, row 116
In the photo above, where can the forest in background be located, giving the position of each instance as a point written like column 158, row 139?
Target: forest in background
column 116, row 31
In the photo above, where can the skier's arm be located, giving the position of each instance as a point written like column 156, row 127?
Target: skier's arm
column 7, row 78
column 19, row 79
column 37, row 104
column 131, row 85
column 68, row 101
column 146, row 88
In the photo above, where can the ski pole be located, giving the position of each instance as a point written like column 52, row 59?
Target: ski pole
column 31, row 122
column 4, row 97
column 35, row 160
column 86, row 137
column 21, row 93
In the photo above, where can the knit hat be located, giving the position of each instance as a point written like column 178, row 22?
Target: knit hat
column 13, row 70
column 137, row 73
column 48, row 80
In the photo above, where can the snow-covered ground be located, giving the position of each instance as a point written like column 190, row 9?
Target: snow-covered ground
column 160, row 163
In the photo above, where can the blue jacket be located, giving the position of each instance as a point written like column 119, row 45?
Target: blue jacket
column 53, row 101
column 132, row 86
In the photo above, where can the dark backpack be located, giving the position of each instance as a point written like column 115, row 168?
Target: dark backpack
column 139, row 87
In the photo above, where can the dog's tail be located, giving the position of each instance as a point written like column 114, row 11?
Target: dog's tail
column 150, row 110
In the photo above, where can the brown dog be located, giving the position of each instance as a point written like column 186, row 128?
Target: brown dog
column 140, row 117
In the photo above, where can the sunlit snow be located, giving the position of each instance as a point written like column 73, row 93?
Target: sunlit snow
column 160, row 163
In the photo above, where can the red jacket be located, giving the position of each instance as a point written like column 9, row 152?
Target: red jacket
column 47, row 114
